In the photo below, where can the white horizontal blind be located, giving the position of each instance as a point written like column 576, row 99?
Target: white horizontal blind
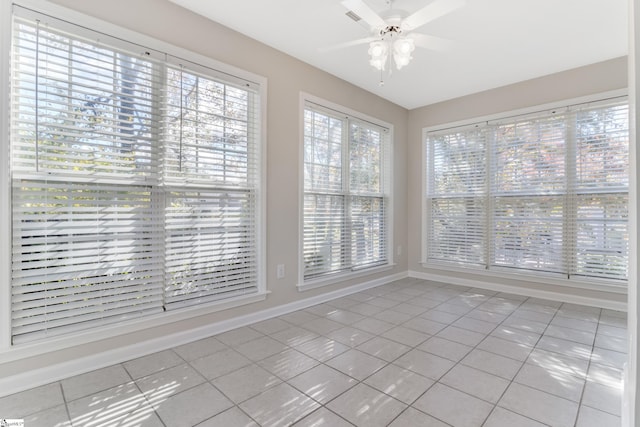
column 346, row 170
column 556, row 199
column 211, row 178
column 368, row 210
column 601, row 186
column 528, row 190
column 455, row 196
column 133, row 191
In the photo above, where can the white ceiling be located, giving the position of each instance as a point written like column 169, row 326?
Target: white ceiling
column 495, row 42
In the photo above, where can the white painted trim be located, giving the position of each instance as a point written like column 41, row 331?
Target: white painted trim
column 482, row 120
column 5, row 192
column 44, row 346
column 27, row 380
column 521, row 290
column 337, row 278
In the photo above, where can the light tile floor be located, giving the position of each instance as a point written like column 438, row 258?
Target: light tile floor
column 410, row 353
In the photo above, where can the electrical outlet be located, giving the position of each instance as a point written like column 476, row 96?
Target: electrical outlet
column 280, row 271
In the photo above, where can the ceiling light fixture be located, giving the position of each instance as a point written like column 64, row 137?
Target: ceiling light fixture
column 392, row 44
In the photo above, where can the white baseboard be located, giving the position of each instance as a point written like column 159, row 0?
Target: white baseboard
column 522, row 290
column 38, row 377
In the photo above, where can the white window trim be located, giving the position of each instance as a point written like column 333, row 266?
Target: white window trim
column 330, row 279
column 540, row 277
column 9, row 352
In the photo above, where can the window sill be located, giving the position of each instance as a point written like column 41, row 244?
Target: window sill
column 28, row 349
column 341, row 277
column 603, row 285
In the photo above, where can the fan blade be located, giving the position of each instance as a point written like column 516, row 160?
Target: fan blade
column 431, row 42
column 347, row 44
column 361, row 9
column 430, row 12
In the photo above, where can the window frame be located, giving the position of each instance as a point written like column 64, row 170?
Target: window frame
column 387, row 188
column 575, row 281
column 215, row 70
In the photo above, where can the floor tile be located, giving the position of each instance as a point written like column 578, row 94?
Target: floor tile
column 589, row 417
column 350, row 336
column 445, row 403
column 153, row 363
column 159, row 386
column 540, row 406
column 238, row 336
column 298, row 317
column 52, row 417
column 425, row 364
column 220, row 363
column 113, row 407
column 552, row 380
column 288, row 364
column 19, row 405
column 580, row 325
column 197, row 349
column 486, row 316
column 441, row 317
column 519, row 336
column 294, row 336
column 406, row 336
column 609, row 342
column 606, row 357
column 525, row 324
column 392, row 316
column 365, row 309
column 612, row 331
column 322, row 417
column 513, row 350
column 382, row 302
column 501, row 366
column 582, row 337
column 270, row 326
column 400, row 383
column 568, row 348
column 412, row 418
column 246, row 382
column 94, row 381
column 461, row 336
column 233, row 417
column 475, row 325
column 345, row 317
column 383, row 348
column 260, row 348
column 322, row 383
column 321, row 310
column 501, row 417
column 558, row 363
column 477, row 383
column 322, row 348
column 279, row 406
column 373, row 326
column 536, row 316
column 365, row 406
column 193, row 406
column 425, row 326
column 322, row 326
column 603, row 398
column 356, row 364
column 445, row 348
column 410, row 309
column 605, row 375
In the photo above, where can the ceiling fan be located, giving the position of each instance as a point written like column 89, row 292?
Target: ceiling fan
column 392, row 32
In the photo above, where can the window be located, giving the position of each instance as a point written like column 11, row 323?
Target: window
column 544, row 193
column 134, row 181
column 346, row 193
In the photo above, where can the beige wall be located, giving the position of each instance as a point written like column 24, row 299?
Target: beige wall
column 593, row 79
column 287, row 77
